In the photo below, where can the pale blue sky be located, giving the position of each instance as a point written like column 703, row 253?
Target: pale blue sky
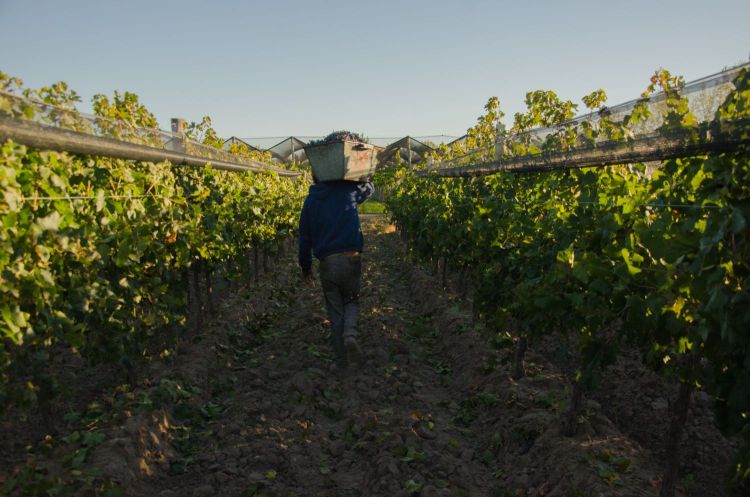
column 381, row 68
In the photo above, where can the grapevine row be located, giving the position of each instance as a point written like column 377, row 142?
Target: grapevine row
column 656, row 258
column 98, row 256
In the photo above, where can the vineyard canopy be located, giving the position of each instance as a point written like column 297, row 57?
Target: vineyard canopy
column 36, row 123
column 703, row 97
column 650, row 138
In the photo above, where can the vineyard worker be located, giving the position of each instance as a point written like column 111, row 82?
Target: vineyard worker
column 329, row 226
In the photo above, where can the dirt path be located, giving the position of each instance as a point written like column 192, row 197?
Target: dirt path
column 252, row 409
column 274, row 420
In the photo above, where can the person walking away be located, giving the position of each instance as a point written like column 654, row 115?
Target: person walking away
column 329, row 227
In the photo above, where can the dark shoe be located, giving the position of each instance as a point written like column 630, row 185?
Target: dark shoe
column 353, row 351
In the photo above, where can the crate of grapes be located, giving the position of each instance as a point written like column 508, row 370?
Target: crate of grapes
column 342, row 156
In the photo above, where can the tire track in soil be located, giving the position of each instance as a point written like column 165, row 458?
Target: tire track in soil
column 292, row 427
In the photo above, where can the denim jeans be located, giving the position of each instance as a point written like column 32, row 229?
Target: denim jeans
column 339, row 276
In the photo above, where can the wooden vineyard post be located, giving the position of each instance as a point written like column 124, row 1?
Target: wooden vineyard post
column 408, row 144
column 177, row 144
column 499, row 148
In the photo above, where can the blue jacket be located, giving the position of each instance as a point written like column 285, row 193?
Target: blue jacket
column 329, row 222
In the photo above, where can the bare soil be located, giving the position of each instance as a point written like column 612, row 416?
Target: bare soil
column 250, row 406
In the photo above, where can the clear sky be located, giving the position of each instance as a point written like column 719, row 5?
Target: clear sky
column 388, row 68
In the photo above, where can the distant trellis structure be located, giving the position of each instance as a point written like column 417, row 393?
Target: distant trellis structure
column 411, row 150
column 238, row 141
column 289, row 150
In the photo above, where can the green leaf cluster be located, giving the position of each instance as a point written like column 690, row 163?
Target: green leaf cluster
column 658, row 259
column 95, row 252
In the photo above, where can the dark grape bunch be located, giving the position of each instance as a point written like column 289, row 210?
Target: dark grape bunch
column 339, row 136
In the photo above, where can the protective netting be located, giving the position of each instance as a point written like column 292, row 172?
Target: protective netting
column 289, row 150
column 409, row 149
column 67, row 117
column 703, row 98
column 268, row 142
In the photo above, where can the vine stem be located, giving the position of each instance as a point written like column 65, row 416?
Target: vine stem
column 519, row 370
column 256, row 264
column 185, row 275
column 570, row 423
column 462, row 281
column 674, row 435
column 209, row 291
column 198, row 298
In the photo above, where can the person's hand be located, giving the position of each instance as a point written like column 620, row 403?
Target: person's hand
column 308, row 279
